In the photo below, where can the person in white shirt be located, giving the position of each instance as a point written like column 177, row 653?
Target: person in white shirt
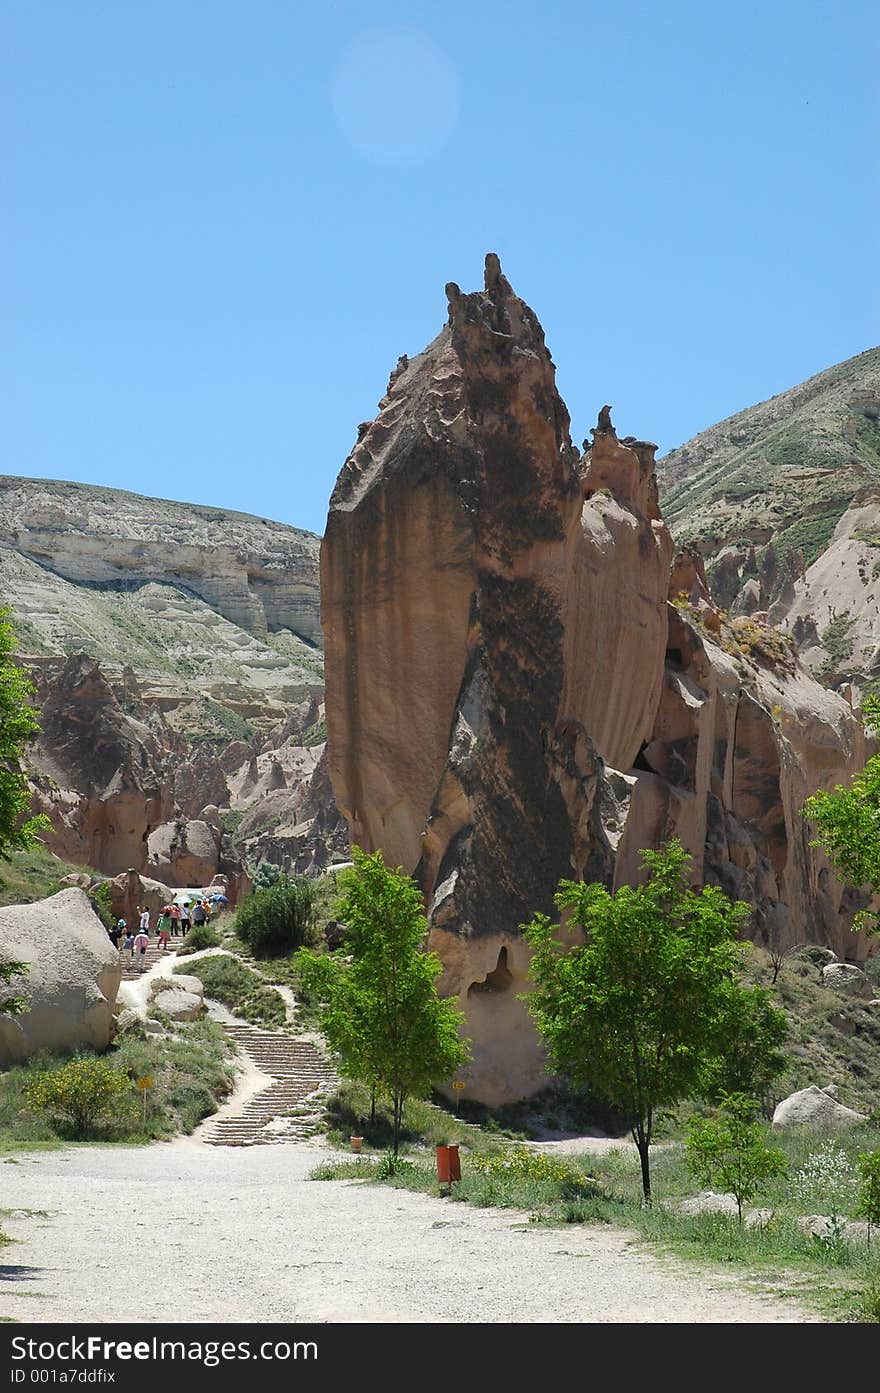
column 145, row 921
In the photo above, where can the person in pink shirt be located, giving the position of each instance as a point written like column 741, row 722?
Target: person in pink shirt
column 141, row 943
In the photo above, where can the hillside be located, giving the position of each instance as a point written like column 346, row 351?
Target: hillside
column 194, row 600
column 761, row 493
column 176, row 655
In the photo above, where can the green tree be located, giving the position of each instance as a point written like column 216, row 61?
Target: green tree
column 18, row 726
column 847, row 823
column 730, row 1151
column 869, row 1188
column 12, row 1005
column 380, row 1010
column 640, row 1011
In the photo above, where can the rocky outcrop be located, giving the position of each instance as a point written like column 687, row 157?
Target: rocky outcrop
column 72, row 981
column 833, row 608
column 511, row 697
column 130, row 893
column 185, row 853
column 100, row 774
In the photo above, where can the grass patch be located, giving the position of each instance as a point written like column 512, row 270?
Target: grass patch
column 240, row 988
column 192, row 1071
column 31, row 875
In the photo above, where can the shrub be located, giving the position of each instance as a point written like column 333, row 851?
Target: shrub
column 869, row 1187
column 83, row 1094
column 278, row 919
column 826, row 1178
column 730, row 1151
column 200, row 936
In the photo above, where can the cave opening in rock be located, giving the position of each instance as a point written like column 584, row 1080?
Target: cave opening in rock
column 498, row 980
column 640, row 762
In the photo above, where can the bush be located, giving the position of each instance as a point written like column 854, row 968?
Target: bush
column 730, row 1151
column 278, row 919
column 869, row 1187
column 83, row 1094
column 200, row 936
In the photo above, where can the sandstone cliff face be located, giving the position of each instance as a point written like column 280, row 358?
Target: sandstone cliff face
column 100, row 774
column 511, row 699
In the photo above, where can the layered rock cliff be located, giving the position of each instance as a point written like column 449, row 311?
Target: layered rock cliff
column 511, row 699
column 259, row 575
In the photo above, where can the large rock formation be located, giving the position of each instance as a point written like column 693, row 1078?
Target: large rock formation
column 72, row 982
column 511, row 699
column 99, row 773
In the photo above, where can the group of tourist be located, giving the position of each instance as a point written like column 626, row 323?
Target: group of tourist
column 173, row 920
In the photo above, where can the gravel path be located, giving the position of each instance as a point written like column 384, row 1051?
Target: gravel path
column 187, row 1232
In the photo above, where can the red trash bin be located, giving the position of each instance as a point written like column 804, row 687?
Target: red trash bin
column 448, row 1164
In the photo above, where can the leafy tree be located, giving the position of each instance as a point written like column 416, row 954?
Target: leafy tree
column 380, row 1009
column 279, row 918
column 18, row 726
column 847, row 823
column 12, row 1005
column 869, row 1188
column 82, row 1094
column 641, row 1012
column 730, row 1151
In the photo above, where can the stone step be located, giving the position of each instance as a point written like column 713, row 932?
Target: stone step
column 298, row 1072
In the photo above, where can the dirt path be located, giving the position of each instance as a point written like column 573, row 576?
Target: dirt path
column 188, row 1232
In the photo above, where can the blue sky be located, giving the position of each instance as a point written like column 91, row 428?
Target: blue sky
column 223, row 222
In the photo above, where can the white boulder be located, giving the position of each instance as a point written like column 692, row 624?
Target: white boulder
column 73, row 979
column 814, row 1107
column 848, row 979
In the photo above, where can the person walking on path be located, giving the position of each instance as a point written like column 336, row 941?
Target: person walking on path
column 184, row 918
column 128, row 944
column 198, row 915
column 142, row 943
column 164, row 927
column 175, row 920
column 145, row 920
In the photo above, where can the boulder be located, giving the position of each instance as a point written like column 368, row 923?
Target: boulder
column 184, row 853
column 179, row 1005
column 74, row 976
column 179, row 982
column 814, row 1107
column 847, row 979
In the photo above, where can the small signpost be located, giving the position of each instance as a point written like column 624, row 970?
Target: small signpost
column 145, row 1084
column 458, row 1085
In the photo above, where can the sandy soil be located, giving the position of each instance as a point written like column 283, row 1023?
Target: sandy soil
column 188, row 1232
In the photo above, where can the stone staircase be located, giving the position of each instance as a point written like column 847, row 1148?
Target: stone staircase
column 130, row 969
column 287, row 1109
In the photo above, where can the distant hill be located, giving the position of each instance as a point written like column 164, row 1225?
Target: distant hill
column 193, row 600
column 761, row 493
